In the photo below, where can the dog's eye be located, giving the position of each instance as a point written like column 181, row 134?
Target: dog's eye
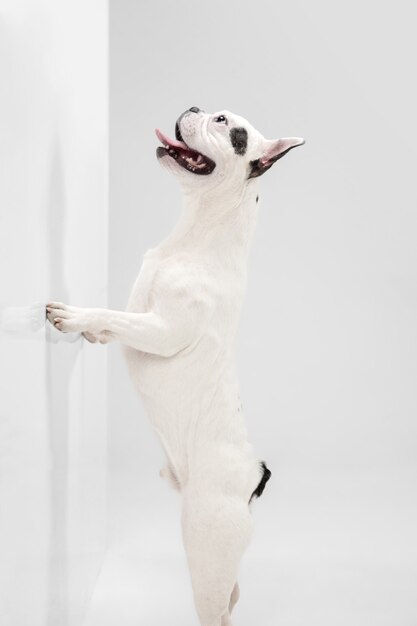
column 221, row 119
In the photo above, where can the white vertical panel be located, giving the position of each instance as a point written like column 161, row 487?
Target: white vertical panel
column 53, row 245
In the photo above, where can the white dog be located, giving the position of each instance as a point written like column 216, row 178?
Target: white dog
column 178, row 335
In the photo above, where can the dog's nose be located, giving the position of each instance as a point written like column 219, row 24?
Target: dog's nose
column 194, row 109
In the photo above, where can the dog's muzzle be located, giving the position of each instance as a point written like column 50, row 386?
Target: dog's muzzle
column 189, row 159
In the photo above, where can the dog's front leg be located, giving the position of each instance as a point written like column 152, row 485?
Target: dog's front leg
column 148, row 332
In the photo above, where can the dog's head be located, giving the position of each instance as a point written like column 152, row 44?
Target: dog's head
column 219, row 149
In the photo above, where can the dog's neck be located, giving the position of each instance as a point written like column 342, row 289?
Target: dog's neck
column 216, row 225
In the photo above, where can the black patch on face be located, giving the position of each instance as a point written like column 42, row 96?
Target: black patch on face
column 257, row 198
column 239, row 140
column 265, row 477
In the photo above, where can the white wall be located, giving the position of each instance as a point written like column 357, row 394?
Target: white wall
column 53, row 245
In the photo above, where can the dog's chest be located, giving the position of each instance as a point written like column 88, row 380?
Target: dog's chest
column 214, row 292
column 140, row 294
column 220, row 286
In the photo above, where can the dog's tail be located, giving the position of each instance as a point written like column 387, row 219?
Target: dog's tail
column 216, row 530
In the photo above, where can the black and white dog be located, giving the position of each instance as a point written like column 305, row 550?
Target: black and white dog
column 178, row 335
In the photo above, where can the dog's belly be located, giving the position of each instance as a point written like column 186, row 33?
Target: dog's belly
column 192, row 401
column 192, row 398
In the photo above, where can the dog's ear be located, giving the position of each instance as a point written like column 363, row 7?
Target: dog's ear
column 274, row 150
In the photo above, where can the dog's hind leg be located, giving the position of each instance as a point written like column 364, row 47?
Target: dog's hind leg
column 234, row 597
column 216, row 530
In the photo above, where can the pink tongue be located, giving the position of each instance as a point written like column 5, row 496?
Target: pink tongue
column 170, row 142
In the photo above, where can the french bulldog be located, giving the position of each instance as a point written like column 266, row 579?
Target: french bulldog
column 178, row 336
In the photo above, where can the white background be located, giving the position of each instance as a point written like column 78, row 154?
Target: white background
column 328, row 340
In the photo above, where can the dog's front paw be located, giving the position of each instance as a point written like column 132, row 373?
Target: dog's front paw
column 91, row 338
column 69, row 319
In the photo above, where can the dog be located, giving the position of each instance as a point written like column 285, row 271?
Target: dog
column 178, row 335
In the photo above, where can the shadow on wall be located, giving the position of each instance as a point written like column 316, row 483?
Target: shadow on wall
column 59, row 365
column 29, row 322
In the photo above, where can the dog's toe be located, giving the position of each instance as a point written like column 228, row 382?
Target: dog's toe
column 58, row 323
column 90, row 337
column 56, row 305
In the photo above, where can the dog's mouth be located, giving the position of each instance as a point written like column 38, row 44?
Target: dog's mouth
column 189, row 159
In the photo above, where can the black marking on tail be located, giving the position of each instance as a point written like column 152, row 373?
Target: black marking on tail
column 266, row 475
